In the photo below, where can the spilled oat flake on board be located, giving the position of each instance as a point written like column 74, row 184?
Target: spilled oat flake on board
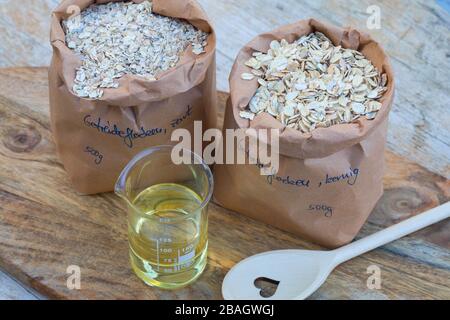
column 330, row 178
column 311, row 83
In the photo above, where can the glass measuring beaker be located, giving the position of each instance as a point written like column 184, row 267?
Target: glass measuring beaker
column 167, row 216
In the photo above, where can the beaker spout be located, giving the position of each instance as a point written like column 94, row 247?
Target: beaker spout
column 120, row 192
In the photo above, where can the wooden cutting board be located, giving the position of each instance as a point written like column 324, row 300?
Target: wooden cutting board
column 46, row 227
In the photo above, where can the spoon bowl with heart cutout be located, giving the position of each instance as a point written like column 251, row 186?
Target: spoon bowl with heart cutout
column 299, row 273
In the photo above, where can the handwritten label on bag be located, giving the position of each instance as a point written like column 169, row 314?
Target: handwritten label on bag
column 285, row 180
column 98, row 157
column 177, row 121
column 350, row 177
column 128, row 135
column 321, row 208
column 288, row 180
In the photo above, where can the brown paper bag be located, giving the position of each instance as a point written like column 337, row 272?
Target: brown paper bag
column 95, row 139
column 329, row 180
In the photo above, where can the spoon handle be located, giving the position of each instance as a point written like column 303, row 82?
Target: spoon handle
column 392, row 233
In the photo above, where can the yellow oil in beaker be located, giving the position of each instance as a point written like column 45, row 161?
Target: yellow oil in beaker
column 168, row 235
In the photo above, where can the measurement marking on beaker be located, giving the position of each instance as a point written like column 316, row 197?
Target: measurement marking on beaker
column 157, row 252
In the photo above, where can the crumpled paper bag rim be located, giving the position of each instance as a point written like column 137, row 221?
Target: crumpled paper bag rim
column 321, row 142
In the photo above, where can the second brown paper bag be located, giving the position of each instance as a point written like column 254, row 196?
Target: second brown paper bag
column 328, row 180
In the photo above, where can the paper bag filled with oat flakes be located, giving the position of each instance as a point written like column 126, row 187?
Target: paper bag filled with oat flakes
column 329, row 92
column 123, row 76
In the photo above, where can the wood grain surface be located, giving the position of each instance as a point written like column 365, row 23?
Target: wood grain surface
column 415, row 34
column 46, row 227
